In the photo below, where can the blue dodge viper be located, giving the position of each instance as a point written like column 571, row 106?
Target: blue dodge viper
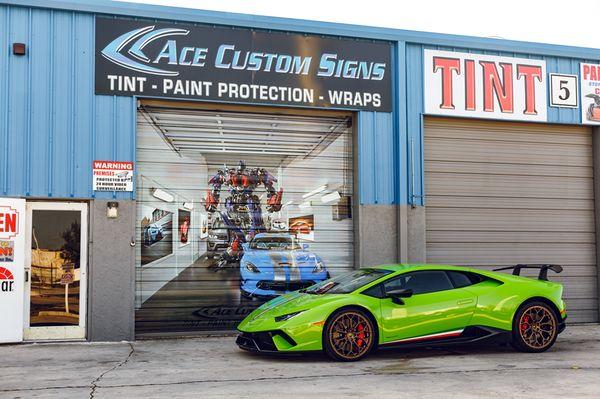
column 274, row 264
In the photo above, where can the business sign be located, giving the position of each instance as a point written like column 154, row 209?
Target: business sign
column 484, row 86
column 564, row 90
column 112, row 176
column 12, row 266
column 240, row 65
column 590, row 94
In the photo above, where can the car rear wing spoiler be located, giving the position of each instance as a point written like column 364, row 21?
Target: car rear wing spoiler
column 543, row 269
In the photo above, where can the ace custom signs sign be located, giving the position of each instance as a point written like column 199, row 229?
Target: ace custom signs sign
column 484, row 86
column 240, row 65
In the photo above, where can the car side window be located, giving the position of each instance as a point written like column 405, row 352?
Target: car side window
column 463, row 279
column 421, row 282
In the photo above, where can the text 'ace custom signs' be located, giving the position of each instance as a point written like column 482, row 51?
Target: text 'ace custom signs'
column 484, row 86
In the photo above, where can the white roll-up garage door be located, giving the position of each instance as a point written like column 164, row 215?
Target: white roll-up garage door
column 236, row 207
column 500, row 193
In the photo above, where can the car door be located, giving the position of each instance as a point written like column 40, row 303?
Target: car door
column 437, row 306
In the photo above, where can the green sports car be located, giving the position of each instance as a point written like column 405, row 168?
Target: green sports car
column 410, row 305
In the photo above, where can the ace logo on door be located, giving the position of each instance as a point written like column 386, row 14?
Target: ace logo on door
column 484, row 86
column 12, row 266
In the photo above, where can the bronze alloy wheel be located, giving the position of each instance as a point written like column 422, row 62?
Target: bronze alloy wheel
column 350, row 335
column 537, row 327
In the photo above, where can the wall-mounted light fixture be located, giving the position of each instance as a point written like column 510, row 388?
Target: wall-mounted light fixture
column 316, row 191
column 188, row 205
column 19, row 49
column 112, row 210
column 331, row 197
column 305, row 204
column 163, row 195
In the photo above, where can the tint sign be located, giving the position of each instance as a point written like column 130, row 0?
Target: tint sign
column 240, row 65
column 484, row 86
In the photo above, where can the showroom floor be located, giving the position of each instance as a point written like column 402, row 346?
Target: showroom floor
column 215, row 368
column 201, row 297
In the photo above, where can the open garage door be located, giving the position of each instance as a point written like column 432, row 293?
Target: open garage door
column 235, row 208
column 500, row 193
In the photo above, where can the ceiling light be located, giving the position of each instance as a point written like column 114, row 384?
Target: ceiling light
column 163, row 195
column 331, row 197
column 317, row 190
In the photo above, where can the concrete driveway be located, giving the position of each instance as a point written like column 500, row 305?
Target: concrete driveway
column 213, row 367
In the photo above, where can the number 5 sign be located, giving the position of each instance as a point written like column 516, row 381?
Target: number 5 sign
column 563, row 90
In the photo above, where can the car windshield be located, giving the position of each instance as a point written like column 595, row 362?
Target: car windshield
column 274, row 243
column 347, row 282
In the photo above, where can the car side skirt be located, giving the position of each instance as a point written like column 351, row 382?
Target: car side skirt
column 468, row 335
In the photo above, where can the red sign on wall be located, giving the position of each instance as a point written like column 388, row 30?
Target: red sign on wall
column 9, row 222
column 484, row 86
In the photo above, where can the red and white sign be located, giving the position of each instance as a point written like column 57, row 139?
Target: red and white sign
column 9, row 222
column 590, row 94
column 113, row 176
column 12, row 285
column 484, row 86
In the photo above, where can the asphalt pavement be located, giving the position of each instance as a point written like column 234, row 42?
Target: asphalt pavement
column 213, row 367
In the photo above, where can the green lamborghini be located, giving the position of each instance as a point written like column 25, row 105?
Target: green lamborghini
column 410, row 305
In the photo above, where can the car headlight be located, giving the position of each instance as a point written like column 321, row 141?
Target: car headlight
column 287, row 316
column 251, row 268
column 319, row 267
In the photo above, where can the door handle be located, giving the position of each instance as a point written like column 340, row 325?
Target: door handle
column 464, row 302
column 26, row 276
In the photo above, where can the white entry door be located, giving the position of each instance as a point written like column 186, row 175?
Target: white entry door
column 56, row 271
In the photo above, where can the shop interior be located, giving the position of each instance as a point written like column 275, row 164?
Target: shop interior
column 211, row 182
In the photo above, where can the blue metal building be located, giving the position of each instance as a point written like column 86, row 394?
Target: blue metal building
column 53, row 126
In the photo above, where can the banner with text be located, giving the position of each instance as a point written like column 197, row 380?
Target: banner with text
column 240, row 65
column 484, row 86
column 590, row 94
column 12, row 267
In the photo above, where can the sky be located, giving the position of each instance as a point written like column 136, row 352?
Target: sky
column 571, row 22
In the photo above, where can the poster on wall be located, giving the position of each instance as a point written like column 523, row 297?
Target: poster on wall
column 112, row 176
column 590, row 94
column 12, row 266
column 203, row 226
column 184, row 226
column 303, row 227
column 157, row 234
column 484, row 86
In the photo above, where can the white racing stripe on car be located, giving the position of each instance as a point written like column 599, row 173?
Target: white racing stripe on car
column 278, row 269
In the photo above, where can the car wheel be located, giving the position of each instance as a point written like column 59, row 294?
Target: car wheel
column 348, row 335
column 535, row 327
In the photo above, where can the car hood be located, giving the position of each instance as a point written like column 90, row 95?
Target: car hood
column 276, row 257
column 263, row 318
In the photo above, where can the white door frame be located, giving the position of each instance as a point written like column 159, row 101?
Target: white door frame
column 57, row 332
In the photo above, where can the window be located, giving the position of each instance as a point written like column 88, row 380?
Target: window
column 421, row 282
column 464, row 279
column 347, row 282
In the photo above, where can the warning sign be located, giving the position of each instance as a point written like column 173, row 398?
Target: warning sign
column 113, row 176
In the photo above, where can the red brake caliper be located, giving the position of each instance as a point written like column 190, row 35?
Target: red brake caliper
column 525, row 323
column 360, row 335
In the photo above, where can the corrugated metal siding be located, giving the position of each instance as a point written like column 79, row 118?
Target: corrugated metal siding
column 414, row 81
column 53, row 126
column 376, row 158
column 502, row 193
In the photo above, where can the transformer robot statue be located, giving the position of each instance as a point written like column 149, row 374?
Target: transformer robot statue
column 242, row 213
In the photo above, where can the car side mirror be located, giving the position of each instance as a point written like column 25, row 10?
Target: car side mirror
column 398, row 294
column 245, row 246
column 305, row 246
